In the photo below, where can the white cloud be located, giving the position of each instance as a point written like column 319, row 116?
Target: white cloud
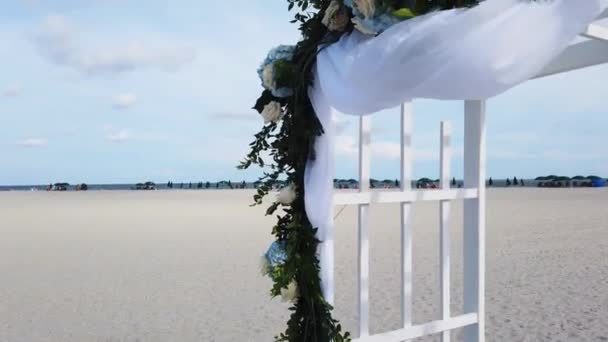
column 514, row 137
column 548, row 155
column 115, row 134
column 57, row 40
column 32, row 142
column 124, row 101
column 348, row 146
column 340, row 124
column 568, row 93
column 12, row 91
column 236, row 116
column 118, row 136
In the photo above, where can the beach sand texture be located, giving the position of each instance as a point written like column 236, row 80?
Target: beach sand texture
column 183, row 266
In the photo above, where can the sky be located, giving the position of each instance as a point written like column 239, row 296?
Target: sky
column 115, row 91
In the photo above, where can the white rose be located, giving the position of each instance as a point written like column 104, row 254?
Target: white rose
column 290, row 293
column 366, row 7
column 331, row 10
column 264, row 265
column 287, row 195
column 268, row 76
column 360, row 26
column 272, row 112
column 335, row 18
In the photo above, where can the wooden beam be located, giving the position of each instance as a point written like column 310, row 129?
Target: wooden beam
column 596, row 31
column 584, row 54
column 578, row 56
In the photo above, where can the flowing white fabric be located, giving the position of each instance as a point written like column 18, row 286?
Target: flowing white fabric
column 458, row 54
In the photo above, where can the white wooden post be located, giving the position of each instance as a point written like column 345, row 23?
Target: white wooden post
column 474, row 218
column 406, row 229
column 363, row 246
column 444, row 230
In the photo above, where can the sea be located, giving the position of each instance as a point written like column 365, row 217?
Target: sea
column 101, row 187
column 216, row 186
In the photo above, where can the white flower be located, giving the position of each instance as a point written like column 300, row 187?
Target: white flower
column 272, row 112
column 331, row 10
column 360, row 26
column 268, row 76
column 335, row 18
column 287, row 195
column 290, row 293
column 366, row 7
column 264, row 265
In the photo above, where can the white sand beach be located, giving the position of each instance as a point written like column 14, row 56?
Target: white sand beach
column 183, row 266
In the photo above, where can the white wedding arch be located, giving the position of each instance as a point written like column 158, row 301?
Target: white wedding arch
column 576, row 56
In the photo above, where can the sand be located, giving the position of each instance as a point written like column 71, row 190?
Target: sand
column 183, row 266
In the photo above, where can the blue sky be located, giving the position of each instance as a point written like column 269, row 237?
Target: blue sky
column 105, row 91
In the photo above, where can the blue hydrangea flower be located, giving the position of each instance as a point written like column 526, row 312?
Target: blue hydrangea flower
column 266, row 69
column 276, row 254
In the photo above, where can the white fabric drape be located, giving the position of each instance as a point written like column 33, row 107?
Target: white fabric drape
column 458, row 54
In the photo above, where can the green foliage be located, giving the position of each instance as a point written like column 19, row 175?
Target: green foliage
column 285, row 74
column 404, row 13
column 289, row 145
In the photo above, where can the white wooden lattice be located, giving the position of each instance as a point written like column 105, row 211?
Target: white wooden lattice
column 473, row 194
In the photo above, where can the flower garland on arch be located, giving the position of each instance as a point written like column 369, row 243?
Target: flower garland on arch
column 285, row 143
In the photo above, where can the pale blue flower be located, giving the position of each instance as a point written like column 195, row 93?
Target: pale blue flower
column 266, row 70
column 276, row 254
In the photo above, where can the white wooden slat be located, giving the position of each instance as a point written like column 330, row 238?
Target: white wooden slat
column 578, row 56
column 365, row 128
column 423, row 329
column 406, row 229
column 474, row 218
column 380, row 197
column 363, row 244
column 596, row 31
column 445, row 154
